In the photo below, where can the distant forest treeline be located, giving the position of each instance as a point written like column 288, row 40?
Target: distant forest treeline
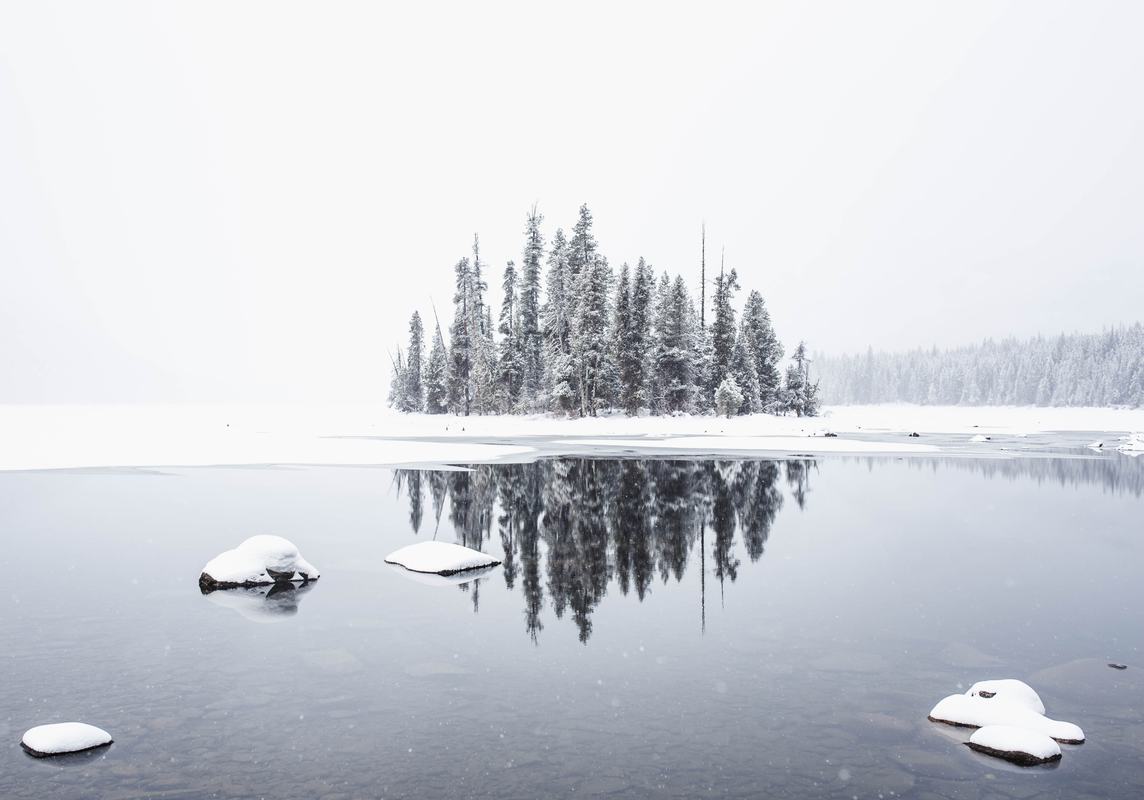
column 1099, row 369
column 596, row 341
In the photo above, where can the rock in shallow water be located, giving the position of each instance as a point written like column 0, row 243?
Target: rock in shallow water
column 979, row 712
column 1009, row 690
column 63, row 737
column 1019, row 745
column 259, row 561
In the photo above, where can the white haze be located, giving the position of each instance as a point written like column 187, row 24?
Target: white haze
column 244, row 201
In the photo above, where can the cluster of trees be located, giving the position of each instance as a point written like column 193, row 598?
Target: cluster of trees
column 594, row 341
column 569, row 527
column 1102, row 369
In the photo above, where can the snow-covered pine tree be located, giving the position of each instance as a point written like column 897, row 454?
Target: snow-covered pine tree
column 723, row 327
column 743, row 370
column 437, row 376
column 728, row 397
column 556, row 323
column 482, row 374
column 620, row 338
column 634, row 357
column 510, row 367
column 675, row 331
column 460, row 351
column 660, row 333
column 532, row 342
column 765, row 350
column 591, row 354
column 414, row 396
column 396, row 398
column 801, row 396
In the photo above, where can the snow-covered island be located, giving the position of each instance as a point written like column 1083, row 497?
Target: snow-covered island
column 258, row 561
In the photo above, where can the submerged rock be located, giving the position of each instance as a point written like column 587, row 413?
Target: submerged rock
column 259, row 561
column 441, row 558
column 1019, row 745
column 1118, row 666
column 915, row 435
column 63, row 737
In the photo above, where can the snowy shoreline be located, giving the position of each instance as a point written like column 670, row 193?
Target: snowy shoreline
column 79, row 437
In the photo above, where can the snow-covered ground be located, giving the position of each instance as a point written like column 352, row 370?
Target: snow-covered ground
column 52, row 437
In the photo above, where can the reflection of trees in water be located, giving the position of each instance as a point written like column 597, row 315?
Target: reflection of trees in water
column 594, row 520
column 1114, row 472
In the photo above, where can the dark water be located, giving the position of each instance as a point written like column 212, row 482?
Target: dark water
column 658, row 628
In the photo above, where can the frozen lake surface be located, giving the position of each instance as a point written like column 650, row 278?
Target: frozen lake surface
column 659, row 627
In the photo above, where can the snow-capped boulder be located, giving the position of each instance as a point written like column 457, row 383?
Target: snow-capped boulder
column 1009, row 690
column 980, row 437
column 1019, row 745
column 441, row 558
column 977, row 712
column 259, row 561
column 63, row 737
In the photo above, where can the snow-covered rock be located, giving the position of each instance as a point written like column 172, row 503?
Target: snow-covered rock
column 63, row 737
column 258, row 561
column 1019, row 745
column 981, row 437
column 1097, row 445
column 977, row 712
column 1009, row 690
column 441, row 558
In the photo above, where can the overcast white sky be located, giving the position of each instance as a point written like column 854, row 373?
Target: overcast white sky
column 244, row 201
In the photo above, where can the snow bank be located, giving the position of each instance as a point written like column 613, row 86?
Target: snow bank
column 1018, row 745
column 56, row 437
column 1009, row 690
column 753, row 444
column 258, row 561
column 978, row 712
column 441, row 558
column 63, row 737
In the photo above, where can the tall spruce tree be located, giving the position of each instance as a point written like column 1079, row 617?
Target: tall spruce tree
column 674, row 351
column 531, row 339
column 634, row 355
column 414, row 399
column 437, row 376
column 460, row 351
column 510, row 366
column 723, row 327
column 556, row 320
column 621, row 337
column 482, row 372
column 765, row 349
column 743, row 370
column 590, row 351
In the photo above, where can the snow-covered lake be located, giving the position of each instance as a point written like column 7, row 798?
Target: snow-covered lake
column 658, row 627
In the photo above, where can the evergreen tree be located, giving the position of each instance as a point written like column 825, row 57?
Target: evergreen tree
column 437, row 376
column 723, row 327
column 801, row 395
column 765, row 349
column 414, row 396
column 460, row 363
column 556, row 319
column 675, row 356
column 621, row 338
column 510, row 365
column 728, row 397
column 743, row 370
column 482, row 373
column 397, row 384
column 591, row 355
column 635, row 351
column 532, row 341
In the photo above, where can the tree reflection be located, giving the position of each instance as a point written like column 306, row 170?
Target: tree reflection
column 568, row 527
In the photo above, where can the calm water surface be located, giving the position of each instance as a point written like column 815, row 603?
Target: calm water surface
column 747, row 628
